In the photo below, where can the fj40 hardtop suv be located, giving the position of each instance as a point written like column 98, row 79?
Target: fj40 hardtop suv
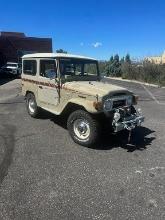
column 71, row 84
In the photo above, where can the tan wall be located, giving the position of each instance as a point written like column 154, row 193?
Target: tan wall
column 156, row 60
column 163, row 58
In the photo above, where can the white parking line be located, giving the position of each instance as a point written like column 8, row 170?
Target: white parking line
column 152, row 96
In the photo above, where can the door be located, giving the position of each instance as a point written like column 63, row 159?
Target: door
column 48, row 89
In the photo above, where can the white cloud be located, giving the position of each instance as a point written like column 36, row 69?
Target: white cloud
column 97, row 44
column 81, row 44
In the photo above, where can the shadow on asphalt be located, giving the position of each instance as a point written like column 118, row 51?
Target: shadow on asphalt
column 7, row 134
column 11, row 103
column 139, row 138
column 4, row 80
column 59, row 120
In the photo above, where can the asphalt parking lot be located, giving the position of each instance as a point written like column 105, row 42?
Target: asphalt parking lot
column 45, row 175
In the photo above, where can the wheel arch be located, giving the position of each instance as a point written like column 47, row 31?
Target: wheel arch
column 28, row 92
column 82, row 104
column 71, row 107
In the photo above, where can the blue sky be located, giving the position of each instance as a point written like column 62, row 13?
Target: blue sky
column 98, row 28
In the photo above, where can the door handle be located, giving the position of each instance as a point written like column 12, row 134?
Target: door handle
column 40, row 87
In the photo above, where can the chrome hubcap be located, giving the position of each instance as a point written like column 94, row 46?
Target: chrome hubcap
column 31, row 106
column 81, row 129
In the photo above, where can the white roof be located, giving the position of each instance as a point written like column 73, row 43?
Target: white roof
column 54, row 55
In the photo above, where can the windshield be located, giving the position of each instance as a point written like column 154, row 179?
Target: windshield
column 78, row 67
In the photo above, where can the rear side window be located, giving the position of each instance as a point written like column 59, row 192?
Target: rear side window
column 30, row 67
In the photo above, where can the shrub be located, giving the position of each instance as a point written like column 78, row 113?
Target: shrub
column 148, row 72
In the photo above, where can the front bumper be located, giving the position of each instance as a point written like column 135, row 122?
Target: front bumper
column 129, row 123
column 9, row 71
column 126, row 118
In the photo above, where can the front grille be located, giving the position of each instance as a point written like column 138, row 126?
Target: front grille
column 7, row 70
column 119, row 103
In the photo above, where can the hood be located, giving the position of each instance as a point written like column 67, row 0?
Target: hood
column 11, row 67
column 95, row 88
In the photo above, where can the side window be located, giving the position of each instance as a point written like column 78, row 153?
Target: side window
column 30, row 67
column 48, row 68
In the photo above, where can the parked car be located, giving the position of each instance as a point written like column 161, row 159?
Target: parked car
column 11, row 69
column 66, row 84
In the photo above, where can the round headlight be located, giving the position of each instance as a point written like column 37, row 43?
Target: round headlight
column 129, row 100
column 107, row 105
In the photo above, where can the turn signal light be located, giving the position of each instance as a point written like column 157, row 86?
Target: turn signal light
column 97, row 105
column 135, row 99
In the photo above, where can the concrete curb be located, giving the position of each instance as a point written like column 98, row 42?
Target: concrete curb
column 135, row 81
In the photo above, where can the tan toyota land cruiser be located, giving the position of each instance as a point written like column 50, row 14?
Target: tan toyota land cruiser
column 71, row 84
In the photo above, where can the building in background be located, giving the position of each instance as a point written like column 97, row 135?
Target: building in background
column 13, row 45
column 156, row 59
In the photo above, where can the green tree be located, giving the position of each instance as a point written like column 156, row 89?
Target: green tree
column 61, row 51
column 127, row 69
column 128, row 59
column 116, row 59
column 113, row 67
column 110, row 68
column 122, row 60
column 111, row 59
column 116, row 66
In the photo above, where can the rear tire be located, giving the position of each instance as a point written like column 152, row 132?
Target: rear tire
column 31, row 104
column 83, row 128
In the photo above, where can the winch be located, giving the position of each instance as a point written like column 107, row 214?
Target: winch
column 127, row 118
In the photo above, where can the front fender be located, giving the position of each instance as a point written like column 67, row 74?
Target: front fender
column 87, row 104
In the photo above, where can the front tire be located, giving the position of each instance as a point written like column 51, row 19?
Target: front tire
column 31, row 104
column 83, row 128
